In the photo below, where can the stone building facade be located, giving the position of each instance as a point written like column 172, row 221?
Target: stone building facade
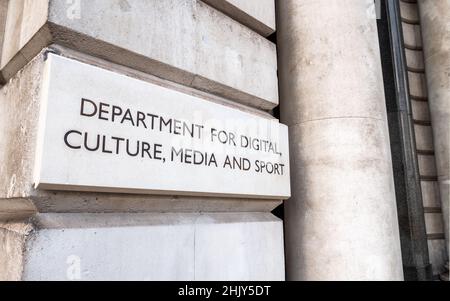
column 337, row 112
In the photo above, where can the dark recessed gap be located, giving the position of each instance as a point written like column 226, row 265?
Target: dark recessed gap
column 279, row 212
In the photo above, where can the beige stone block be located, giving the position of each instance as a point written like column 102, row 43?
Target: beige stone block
column 424, row 137
column 427, row 165
column 414, row 59
column 258, row 15
column 186, row 246
column 434, row 223
column 24, row 18
column 19, row 114
column 430, row 194
column 417, row 85
column 412, row 36
column 12, row 242
column 3, row 17
column 409, row 11
column 420, row 110
column 193, row 44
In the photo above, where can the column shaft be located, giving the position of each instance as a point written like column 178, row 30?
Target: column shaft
column 341, row 222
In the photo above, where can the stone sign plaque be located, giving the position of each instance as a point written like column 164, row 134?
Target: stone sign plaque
column 106, row 132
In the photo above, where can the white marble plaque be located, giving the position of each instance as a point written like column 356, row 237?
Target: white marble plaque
column 102, row 131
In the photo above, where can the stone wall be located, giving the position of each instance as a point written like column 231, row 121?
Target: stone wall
column 188, row 46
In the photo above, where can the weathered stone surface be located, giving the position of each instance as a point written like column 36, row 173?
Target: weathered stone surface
column 258, row 15
column 414, row 59
column 427, row 165
column 412, row 36
column 341, row 222
column 23, row 19
column 409, row 11
column 12, row 244
column 430, row 194
column 3, row 17
column 420, row 110
column 246, row 246
column 323, row 230
column 19, row 120
column 435, row 21
column 240, row 247
column 204, row 49
column 424, row 137
column 434, row 223
column 417, row 85
column 438, row 255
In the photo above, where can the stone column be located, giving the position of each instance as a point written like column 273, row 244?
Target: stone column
column 435, row 21
column 341, row 222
